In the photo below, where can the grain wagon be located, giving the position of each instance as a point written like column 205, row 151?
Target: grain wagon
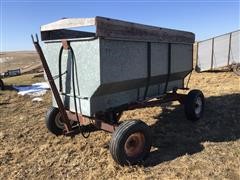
column 96, row 76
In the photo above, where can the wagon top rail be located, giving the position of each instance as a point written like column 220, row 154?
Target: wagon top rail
column 112, row 28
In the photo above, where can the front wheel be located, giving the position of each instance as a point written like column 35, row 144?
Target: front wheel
column 54, row 121
column 131, row 142
column 194, row 105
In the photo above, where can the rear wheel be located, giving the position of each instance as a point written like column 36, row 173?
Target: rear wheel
column 131, row 142
column 236, row 69
column 194, row 105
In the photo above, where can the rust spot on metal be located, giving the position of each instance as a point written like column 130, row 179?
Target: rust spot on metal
column 105, row 126
column 72, row 116
column 134, row 144
column 99, row 124
column 65, row 44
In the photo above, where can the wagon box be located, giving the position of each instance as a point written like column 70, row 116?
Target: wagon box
column 122, row 62
column 120, row 66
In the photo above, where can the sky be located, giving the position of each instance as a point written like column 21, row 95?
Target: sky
column 206, row 18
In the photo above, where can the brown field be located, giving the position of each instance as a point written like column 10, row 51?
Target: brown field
column 25, row 60
column 207, row 149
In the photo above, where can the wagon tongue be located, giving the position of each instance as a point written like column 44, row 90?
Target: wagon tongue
column 67, row 125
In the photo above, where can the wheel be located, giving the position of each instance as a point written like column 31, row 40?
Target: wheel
column 54, row 122
column 131, row 142
column 194, row 105
column 236, row 69
column 1, row 85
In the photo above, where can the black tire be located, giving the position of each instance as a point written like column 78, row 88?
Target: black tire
column 128, row 134
column 1, row 85
column 236, row 69
column 52, row 117
column 194, row 105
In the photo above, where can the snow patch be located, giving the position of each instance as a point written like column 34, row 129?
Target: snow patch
column 36, row 89
column 37, row 99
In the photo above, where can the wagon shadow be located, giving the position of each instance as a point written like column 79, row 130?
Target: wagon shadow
column 174, row 136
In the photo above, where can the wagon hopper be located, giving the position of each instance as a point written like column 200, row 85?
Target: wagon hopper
column 121, row 66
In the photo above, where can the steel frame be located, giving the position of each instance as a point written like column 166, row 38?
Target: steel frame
column 100, row 123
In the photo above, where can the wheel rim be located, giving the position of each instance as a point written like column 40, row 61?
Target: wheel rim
column 58, row 121
column 134, row 144
column 198, row 105
column 237, row 69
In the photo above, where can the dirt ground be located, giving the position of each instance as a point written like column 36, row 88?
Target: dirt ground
column 207, row 149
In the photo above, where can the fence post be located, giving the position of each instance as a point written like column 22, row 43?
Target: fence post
column 229, row 48
column 196, row 55
column 212, row 53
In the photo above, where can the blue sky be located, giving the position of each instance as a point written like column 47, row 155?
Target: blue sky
column 19, row 19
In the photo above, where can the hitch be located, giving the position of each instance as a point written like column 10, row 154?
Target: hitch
column 57, row 97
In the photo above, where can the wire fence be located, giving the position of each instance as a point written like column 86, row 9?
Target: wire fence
column 218, row 52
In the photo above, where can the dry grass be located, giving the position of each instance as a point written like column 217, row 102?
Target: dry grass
column 25, row 60
column 26, row 79
column 208, row 149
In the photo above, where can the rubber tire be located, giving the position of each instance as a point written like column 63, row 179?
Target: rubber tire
column 236, row 69
column 120, row 136
column 189, row 105
column 1, row 85
column 50, row 121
